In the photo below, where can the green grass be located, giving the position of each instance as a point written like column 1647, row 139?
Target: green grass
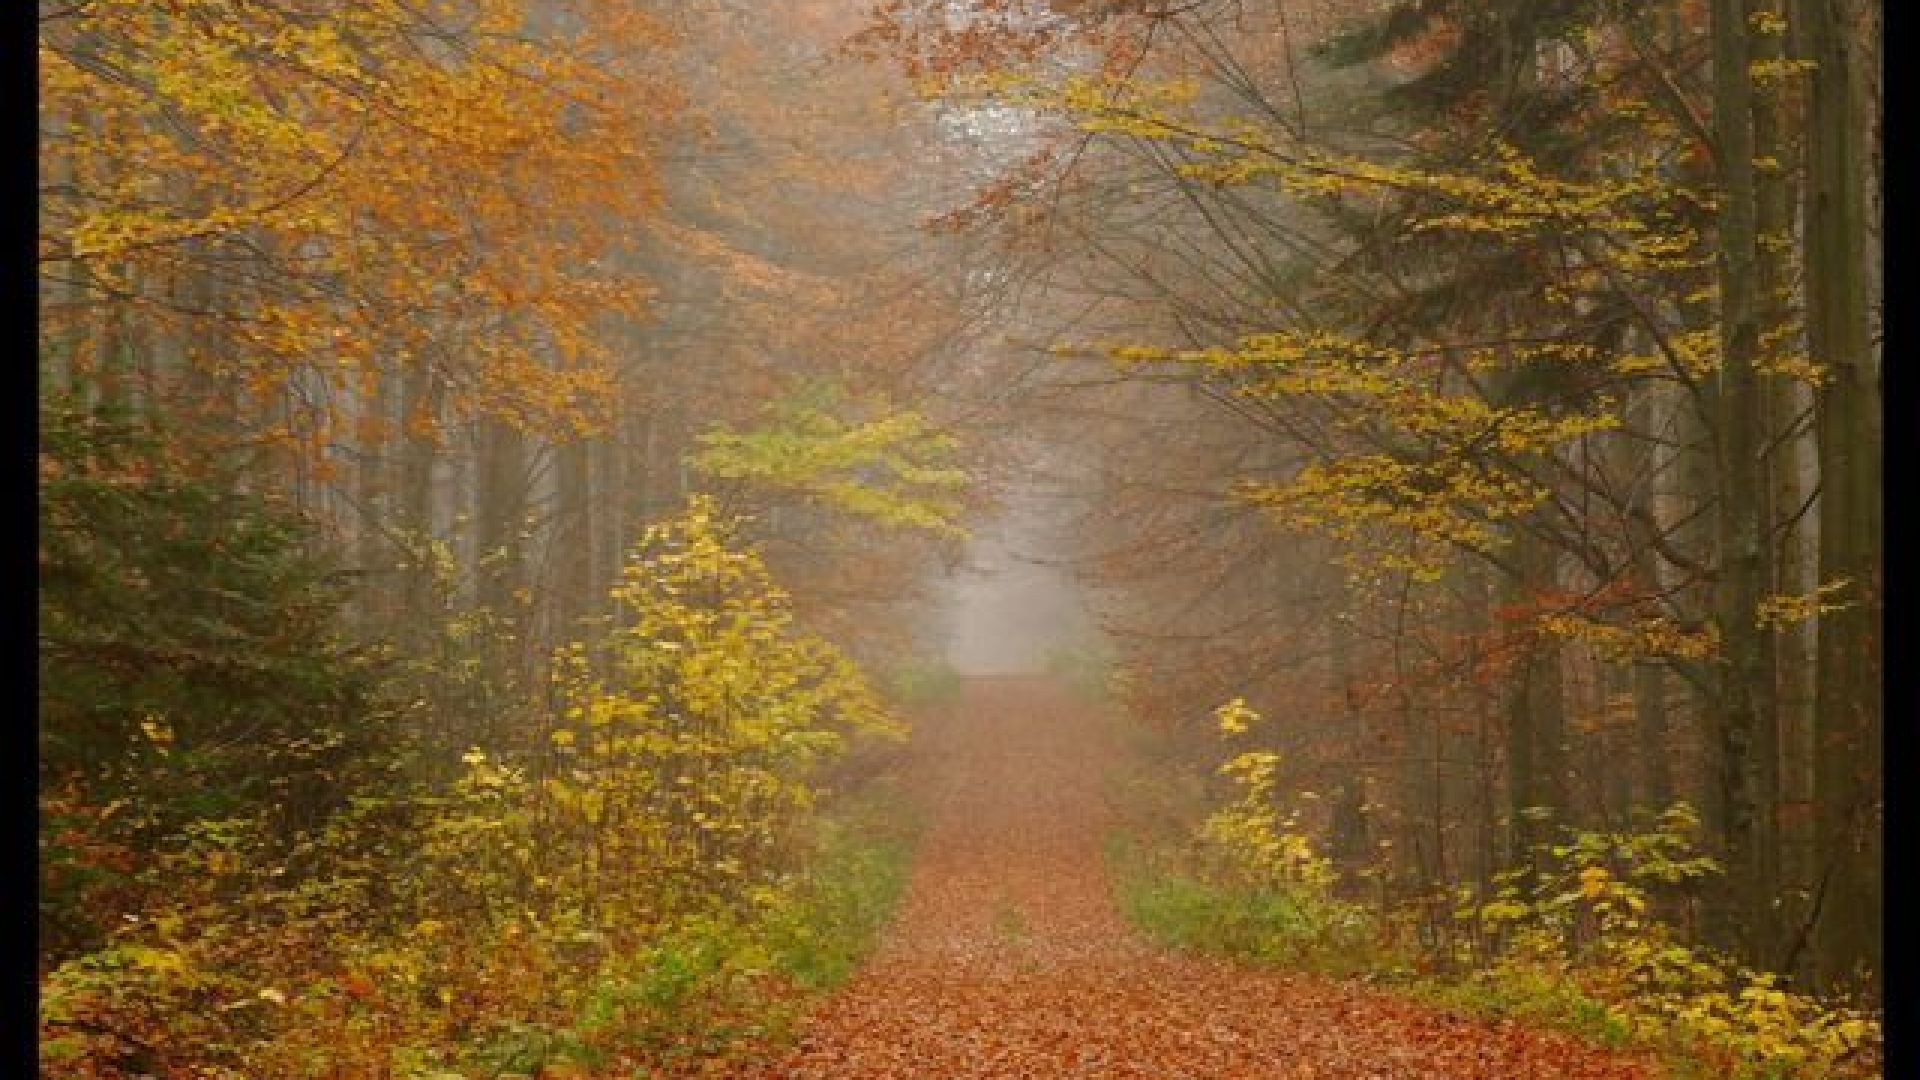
column 1163, row 894
column 1533, row 997
column 740, row 981
column 1086, row 670
column 924, row 684
column 848, row 895
column 1173, row 903
column 1010, row 923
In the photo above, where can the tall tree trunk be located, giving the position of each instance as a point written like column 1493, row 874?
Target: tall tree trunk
column 1536, row 714
column 1637, row 460
column 419, row 424
column 114, row 342
column 574, row 579
column 1796, row 573
column 609, row 486
column 66, row 357
column 500, row 525
column 1741, row 711
column 1478, row 625
column 1348, row 841
column 374, row 554
column 1618, row 734
column 500, row 510
column 1846, row 693
column 1773, row 228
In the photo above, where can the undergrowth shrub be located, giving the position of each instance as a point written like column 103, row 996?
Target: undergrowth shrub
column 1167, row 894
column 191, row 667
column 1249, row 883
column 1576, row 939
column 659, row 882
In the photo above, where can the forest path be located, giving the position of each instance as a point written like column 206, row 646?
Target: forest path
column 1009, row 958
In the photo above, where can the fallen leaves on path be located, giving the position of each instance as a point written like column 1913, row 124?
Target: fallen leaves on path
column 1010, row 960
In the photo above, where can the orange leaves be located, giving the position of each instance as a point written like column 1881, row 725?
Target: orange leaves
column 363, row 180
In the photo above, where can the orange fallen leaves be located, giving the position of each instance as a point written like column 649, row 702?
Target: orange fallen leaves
column 1010, row 959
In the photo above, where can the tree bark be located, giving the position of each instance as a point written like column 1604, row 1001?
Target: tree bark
column 1536, row 714
column 1740, row 713
column 1847, row 707
column 574, row 581
column 419, row 419
column 500, row 510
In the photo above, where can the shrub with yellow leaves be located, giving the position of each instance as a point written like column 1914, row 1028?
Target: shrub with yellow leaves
column 1252, row 836
column 686, row 739
column 1579, row 939
column 631, row 883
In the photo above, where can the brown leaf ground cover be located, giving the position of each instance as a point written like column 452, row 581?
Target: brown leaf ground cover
column 1009, row 958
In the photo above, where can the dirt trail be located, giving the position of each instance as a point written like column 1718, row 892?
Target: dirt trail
column 1009, row 958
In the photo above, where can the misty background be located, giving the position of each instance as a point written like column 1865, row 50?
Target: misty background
column 1013, row 601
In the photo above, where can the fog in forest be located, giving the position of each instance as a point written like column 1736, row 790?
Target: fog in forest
column 1013, row 603
column 959, row 538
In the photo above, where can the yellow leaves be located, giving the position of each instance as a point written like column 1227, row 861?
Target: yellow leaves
column 1118, row 105
column 1459, row 475
column 1142, row 354
column 1504, row 910
column 1449, row 500
column 356, row 180
column 897, row 468
column 1637, row 363
column 707, row 711
column 1250, row 832
column 1697, row 351
column 1253, row 768
column 158, row 732
column 1794, row 365
column 1583, row 918
column 1770, row 72
column 161, row 961
column 1641, row 639
column 1765, row 1024
column 1511, row 198
column 1594, row 881
column 1235, row 716
column 1783, row 610
column 1633, row 211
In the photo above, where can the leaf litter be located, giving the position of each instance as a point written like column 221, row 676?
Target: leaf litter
column 1010, row 959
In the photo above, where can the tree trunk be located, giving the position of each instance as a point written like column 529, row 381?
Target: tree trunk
column 1536, row 715
column 1846, row 692
column 1637, row 461
column 574, row 580
column 374, row 555
column 500, row 510
column 1479, row 625
column 419, row 421
column 1348, row 841
column 1773, row 226
column 1740, row 711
